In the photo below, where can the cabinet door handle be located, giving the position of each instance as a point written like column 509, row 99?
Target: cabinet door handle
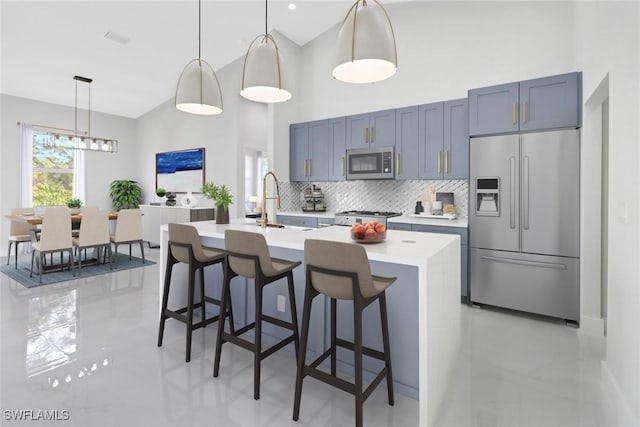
column 373, row 136
column 446, row 161
column 342, row 166
column 366, row 135
column 397, row 164
column 523, row 262
column 513, row 113
column 524, row 112
column 439, row 156
column 304, row 167
column 310, row 164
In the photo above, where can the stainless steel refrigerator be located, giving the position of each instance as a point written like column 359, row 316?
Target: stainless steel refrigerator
column 524, row 222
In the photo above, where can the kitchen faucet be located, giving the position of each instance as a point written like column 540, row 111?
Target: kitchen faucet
column 263, row 217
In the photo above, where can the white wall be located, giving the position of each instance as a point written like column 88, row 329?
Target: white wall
column 101, row 168
column 242, row 124
column 444, row 49
column 607, row 43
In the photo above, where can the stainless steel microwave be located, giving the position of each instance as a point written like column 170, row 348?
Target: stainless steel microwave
column 370, row 163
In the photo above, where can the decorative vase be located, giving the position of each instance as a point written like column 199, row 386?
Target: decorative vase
column 171, row 199
column 189, row 200
column 222, row 215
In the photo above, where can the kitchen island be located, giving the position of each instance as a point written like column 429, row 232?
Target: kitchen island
column 423, row 304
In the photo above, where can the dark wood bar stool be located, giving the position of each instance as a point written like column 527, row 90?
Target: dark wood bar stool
column 248, row 256
column 341, row 271
column 184, row 246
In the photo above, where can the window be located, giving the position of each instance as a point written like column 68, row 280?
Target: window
column 256, row 165
column 52, row 175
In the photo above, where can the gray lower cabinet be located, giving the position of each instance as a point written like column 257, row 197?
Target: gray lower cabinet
column 297, row 221
column 464, row 247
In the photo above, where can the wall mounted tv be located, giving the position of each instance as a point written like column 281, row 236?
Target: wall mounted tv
column 181, row 171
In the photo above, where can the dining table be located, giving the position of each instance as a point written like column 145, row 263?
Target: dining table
column 37, row 219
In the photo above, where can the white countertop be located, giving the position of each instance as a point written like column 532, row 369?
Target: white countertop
column 442, row 222
column 328, row 214
column 400, row 247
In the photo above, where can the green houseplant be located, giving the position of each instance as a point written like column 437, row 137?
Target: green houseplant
column 222, row 197
column 160, row 192
column 74, row 205
column 125, row 194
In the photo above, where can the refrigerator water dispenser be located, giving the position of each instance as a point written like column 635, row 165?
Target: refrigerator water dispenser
column 488, row 196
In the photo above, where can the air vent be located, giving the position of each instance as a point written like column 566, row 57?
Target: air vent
column 117, row 37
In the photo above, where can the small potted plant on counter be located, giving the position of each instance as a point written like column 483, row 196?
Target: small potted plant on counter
column 222, row 197
column 74, row 205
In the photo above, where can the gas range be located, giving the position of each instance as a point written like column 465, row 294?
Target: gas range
column 352, row 217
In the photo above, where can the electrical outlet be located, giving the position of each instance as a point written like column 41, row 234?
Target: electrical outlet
column 280, row 303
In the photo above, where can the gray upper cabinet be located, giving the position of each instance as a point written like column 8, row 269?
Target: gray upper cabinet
column 407, row 143
column 309, row 151
column 337, row 149
column 550, row 102
column 377, row 129
column 544, row 103
column 298, row 151
column 431, row 140
column 456, row 139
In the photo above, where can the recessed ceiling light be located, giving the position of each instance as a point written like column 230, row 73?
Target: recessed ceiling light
column 292, row 6
column 116, row 37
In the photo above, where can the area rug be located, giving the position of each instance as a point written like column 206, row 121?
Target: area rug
column 21, row 274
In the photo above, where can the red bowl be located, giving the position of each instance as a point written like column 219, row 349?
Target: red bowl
column 371, row 238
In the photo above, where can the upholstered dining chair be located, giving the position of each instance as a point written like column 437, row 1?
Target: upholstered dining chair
column 128, row 231
column 55, row 236
column 94, row 233
column 20, row 232
column 75, row 227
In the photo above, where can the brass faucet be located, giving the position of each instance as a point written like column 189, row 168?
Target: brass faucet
column 263, row 218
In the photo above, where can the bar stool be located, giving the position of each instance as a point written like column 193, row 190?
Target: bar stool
column 184, row 246
column 341, row 271
column 248, row 256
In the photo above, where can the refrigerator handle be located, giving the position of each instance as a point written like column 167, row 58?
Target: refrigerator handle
column 553, row 266
column 525, row 193
column 512, row 191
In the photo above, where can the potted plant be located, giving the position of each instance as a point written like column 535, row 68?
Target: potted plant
column 222, row 197
column 125, row 194
column 74, row 205
column 160, row 192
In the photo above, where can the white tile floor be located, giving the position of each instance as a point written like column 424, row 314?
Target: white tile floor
column 89, row 347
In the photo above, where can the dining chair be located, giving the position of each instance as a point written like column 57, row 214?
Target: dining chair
column 75, row 227
column 20, row 232
column 55, row 236
column 94, row 233
column 128, row 231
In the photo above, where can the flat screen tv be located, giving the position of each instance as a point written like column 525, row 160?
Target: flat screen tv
column 181, row 171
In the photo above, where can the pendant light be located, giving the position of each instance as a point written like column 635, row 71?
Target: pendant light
column 85, row 141
column 262, row 70
column 366, row 46
column 198, row 90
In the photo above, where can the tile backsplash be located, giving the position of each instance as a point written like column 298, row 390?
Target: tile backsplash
column 380, row 195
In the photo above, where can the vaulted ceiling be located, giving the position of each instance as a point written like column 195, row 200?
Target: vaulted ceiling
column 45, row 43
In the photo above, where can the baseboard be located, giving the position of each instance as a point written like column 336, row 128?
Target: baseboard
column 618, row 401
column 591, row 326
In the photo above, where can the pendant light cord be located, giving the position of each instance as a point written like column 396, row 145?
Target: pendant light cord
column 265, row 17
column 199, row 25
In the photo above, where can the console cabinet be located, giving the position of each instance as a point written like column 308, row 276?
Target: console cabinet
column 153, row 216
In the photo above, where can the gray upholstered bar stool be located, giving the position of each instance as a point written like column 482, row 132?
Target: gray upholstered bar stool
column 248, row 256
column 184, row 246
column 341, row 271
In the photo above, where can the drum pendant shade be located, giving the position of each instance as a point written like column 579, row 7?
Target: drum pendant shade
column 366, row 47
